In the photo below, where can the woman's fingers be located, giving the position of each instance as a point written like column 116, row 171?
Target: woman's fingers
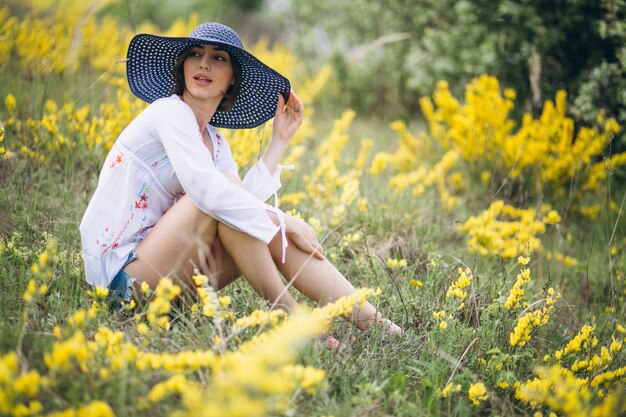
column 294, row 104
column 289, row 116
column 303, row 236
column 311, row 246
column 317, row 251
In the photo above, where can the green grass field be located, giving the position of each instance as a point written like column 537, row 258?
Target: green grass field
column 456, row 358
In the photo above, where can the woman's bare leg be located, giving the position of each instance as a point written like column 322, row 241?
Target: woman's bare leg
column 255, row 262
column 179, row 242
column 185, row 239
column 320, row 281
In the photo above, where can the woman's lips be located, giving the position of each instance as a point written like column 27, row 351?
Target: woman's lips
column 202, row 79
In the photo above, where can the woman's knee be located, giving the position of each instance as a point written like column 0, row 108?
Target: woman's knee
column 190, row 219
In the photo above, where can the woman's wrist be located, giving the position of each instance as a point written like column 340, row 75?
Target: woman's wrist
column 274, row 153
column 279, row 143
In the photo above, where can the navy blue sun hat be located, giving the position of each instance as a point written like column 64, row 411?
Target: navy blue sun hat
column 150, row 71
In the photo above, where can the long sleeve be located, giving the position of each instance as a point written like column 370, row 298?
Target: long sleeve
column 258, row 181
column 175, row 127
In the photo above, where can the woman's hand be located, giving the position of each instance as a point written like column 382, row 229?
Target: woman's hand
column 288, row 117
column 303, row 236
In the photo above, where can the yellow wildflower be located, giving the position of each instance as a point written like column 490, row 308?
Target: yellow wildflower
column 10, row 103
column 517, row 292
column 581, row 340
column 477, row 393
column 396, row 263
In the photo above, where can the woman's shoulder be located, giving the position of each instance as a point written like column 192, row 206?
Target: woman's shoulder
column 168, row 106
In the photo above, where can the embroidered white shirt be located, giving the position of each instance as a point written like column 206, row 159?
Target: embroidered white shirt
column 159, row 157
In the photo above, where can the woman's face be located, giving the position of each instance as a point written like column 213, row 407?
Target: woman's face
column 208, row 73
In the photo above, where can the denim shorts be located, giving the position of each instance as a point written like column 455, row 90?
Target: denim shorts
column 121, row 288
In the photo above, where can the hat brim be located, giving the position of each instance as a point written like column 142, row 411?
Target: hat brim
column 149, row 70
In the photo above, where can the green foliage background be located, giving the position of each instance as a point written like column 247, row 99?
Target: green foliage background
column 576, row 45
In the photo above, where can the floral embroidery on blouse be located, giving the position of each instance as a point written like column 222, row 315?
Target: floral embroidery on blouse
column 219, row 143
column 142, row 203
column 117, row 160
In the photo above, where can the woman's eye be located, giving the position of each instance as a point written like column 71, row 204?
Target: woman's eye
column 220, row 58
column 194, row 53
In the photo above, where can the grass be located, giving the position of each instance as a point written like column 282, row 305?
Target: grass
column 370, row 374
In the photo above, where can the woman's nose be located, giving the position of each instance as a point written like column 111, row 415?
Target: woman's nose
column 205, row 62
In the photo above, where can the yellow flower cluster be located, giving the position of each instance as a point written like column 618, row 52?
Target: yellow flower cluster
column 257, row 377
column 598, row 172
column 260, row 318
column 507, row 231
column 457, row 288
column 477, row 393
column 70, row 37
column 17, row 391
column 449, row 389
column 517, row 292
column 478, row 128
column 457, row 292
column 177, row 384
column 160, row 306
column 598, row 362
column 38, row 285
column 560, row 390
column 307, row 377
column 609, row 377
column 482, row 131
column 416, row 283
column 441, row 315
column 339, row 192
column 582, row 340
column 415, row 172
column 106, row 353
column 93, row 409
column 7, row 28
column 533, row 319
column 405, row 158
column 3, row 151
column 596, row 365
column 65, row 130
column 261, row 366
column 394, row 263
column 563, row 259
column 557, row 388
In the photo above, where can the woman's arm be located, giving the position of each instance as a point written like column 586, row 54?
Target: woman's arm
column 263, row 178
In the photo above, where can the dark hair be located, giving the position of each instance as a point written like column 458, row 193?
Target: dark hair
column 228, row 101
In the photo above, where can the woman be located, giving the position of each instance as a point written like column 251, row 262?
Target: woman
column 169, row 199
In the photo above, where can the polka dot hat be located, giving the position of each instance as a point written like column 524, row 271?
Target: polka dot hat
column 150, row 72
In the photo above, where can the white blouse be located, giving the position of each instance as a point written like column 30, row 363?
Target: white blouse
column 159, row 157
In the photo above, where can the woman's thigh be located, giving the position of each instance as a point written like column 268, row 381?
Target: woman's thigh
column 183, row 240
